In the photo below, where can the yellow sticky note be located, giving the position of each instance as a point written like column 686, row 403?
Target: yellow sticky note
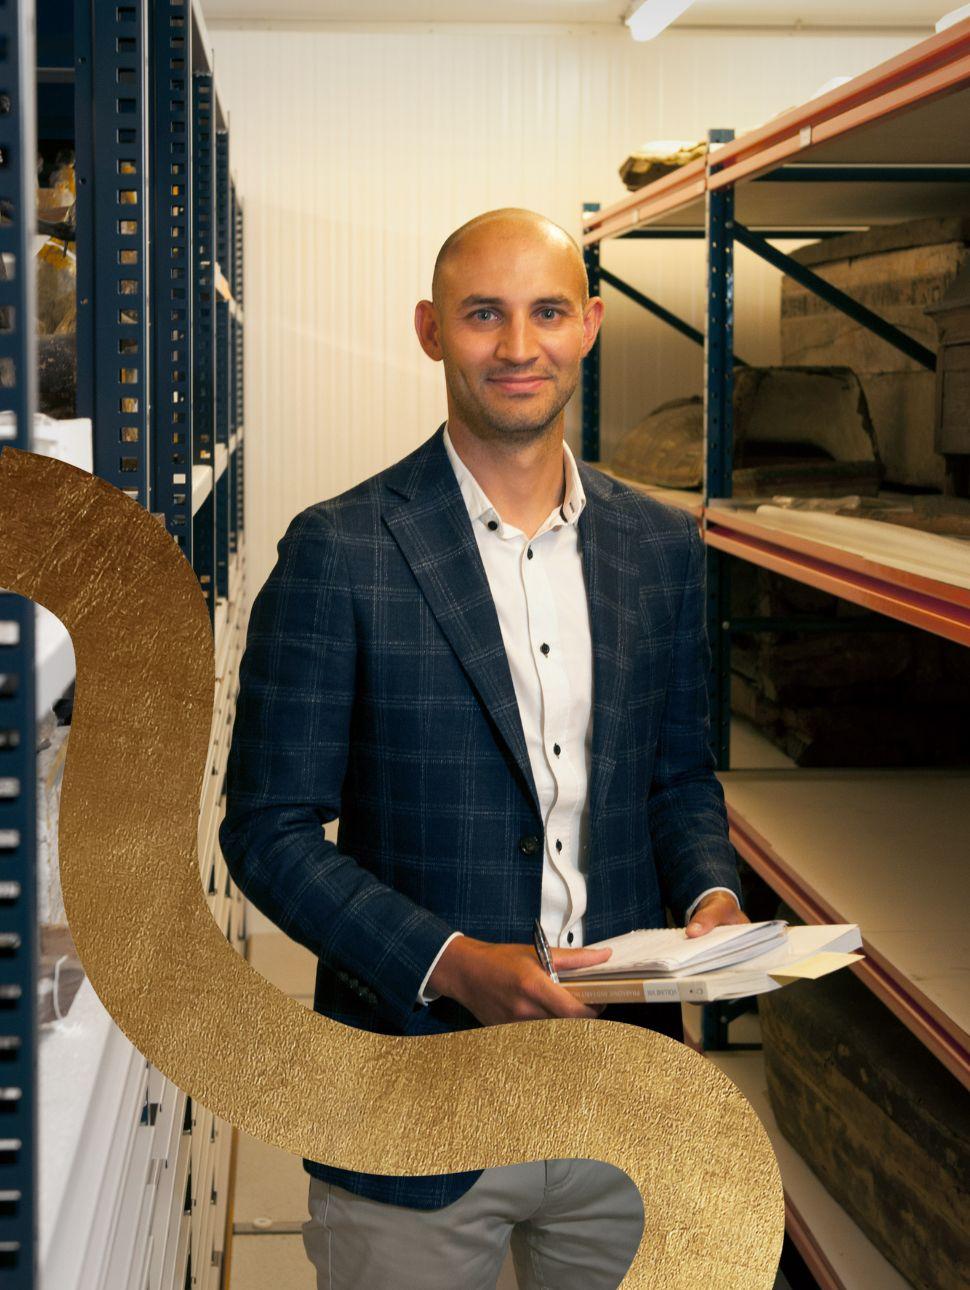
column 815, row 966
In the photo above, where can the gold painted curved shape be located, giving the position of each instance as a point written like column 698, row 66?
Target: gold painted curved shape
column 498, row 1095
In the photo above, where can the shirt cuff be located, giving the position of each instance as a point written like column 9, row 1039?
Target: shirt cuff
column 428, row 996
column 697, row 901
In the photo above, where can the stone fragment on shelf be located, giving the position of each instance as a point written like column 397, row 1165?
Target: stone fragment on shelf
column 651, row 161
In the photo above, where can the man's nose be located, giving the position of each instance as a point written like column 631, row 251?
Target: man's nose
column 516, row 341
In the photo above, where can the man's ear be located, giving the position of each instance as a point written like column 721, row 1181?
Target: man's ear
column 428, row 329
column 592, row 317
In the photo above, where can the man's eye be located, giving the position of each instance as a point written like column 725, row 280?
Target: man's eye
column 549, row 312
column 479, row 312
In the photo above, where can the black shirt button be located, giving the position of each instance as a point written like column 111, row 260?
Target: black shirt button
column 493, row 524
column 569, row 937
column 529, row 553
column 544, row 648
column 556, row 749
column 529, row 844
column 558, row 845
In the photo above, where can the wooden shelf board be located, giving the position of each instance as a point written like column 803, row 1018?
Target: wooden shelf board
column 924, row 602
column 668, row 194
column 822, row 204
column 910, row 83
column 911, row 109
column 201, row 484
column 682, row 499
column 750, row 750
column 885, row 849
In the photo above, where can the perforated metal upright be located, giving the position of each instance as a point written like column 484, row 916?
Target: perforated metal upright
column 224, row 394
column 203, row 313
column 111, row 97
column 172, row 268
column 236, row 517
column 591, row 363
column 230, row 272
column 719, row 440
column 18, row 858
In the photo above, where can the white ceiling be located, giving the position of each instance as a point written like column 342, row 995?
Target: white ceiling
column 917, row 14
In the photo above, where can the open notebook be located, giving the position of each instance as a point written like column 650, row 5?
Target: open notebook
column 729, row 962
column 664, row 950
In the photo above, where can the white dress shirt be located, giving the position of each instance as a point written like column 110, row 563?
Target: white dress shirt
column 540, row 597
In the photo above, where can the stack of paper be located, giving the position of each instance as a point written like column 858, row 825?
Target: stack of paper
column 661, row 951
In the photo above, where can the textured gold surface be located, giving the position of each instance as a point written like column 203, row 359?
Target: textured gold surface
column 498, row 1095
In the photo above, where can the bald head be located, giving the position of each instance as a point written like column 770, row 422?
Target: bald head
column 506, row 228
column 511, row 319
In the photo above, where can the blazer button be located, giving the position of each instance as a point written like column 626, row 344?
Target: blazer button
column 529, row 844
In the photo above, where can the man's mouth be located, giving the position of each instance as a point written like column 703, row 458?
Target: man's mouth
column 519, row 384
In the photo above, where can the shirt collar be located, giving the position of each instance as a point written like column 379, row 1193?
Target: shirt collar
column 478, row 504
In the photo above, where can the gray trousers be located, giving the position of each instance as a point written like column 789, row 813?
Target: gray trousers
column 571, row 1224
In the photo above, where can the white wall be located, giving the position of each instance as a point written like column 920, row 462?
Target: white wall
column 358, row 152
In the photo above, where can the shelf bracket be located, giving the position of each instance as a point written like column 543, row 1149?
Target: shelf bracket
column 833, row 296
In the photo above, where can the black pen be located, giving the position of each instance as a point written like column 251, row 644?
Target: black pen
column 542, row 950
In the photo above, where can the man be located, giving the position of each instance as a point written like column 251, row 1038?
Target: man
column 489, row 661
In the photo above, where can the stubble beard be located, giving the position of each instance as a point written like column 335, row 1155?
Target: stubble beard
column 519, row 427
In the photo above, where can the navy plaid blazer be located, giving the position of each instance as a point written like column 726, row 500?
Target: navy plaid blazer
column 375, row 688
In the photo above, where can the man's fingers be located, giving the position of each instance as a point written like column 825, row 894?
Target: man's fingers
column 704, row 922
column 583, row 957
column 698, row 926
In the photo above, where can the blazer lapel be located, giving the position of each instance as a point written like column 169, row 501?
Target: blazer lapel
column 427, row 516
column 606, row 535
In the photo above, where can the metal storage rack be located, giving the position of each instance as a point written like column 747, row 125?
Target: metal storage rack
column 19, row 688
column 887, row 146
column 131, row 1188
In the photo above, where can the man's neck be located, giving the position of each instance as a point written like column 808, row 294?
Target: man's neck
column 524, row 482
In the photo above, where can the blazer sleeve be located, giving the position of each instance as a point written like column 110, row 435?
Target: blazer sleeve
column 686, row 810
column 286, row 768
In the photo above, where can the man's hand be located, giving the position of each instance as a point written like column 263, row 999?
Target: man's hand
column 502, row 982
column 713, row 911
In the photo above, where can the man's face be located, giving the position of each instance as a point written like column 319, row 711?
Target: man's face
column 511, row 329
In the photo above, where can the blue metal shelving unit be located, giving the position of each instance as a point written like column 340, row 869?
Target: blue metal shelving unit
column 130, row 86
column 225, row 323
column 721, row 232
column 203, row 292
column 173, row 269
column 111, row 105
column 18, row 858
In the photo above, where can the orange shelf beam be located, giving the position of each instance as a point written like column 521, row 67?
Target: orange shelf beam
column 932, row 67
column 922, row 602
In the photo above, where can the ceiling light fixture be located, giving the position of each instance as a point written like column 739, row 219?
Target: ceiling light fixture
column 654, row 16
